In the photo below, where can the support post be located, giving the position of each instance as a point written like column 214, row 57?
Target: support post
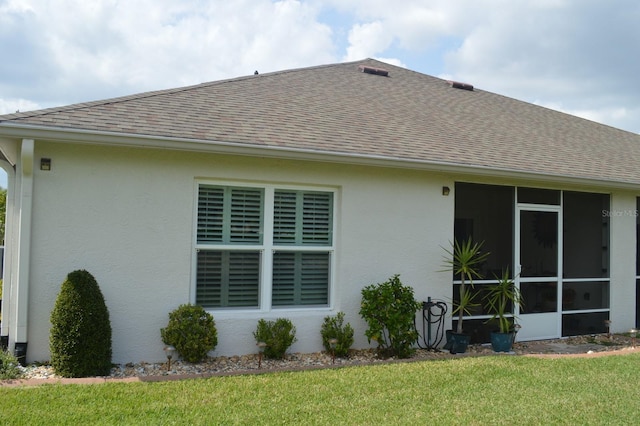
column 25, row 200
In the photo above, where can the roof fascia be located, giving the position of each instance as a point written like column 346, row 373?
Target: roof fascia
column 233, row 148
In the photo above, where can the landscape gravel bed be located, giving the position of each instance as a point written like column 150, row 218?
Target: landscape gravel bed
column 298, row 361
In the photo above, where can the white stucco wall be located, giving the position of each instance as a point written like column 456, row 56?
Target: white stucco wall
column 126, row 216
column 623, row 261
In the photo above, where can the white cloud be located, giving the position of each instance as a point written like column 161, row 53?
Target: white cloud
column 111, row 48
column 367, row 40
column 622, row 116
column 408, row 25
column 9, row 106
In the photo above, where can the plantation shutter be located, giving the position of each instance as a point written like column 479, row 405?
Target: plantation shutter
column 300, row 278
column 284, row 217
column 210, row 214
column 229, row 215
column 302, row 218
column 316, row 218
column 228, row 278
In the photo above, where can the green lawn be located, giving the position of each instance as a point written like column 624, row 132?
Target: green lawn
column 467, row 391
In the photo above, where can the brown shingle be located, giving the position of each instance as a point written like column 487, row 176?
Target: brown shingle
column 339, row 109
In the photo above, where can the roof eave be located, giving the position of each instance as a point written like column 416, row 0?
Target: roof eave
column 57, row 134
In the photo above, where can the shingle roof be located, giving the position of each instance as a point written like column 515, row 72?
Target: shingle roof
column 339, row 109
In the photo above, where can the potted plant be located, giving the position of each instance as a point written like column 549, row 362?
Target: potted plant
column 465, row 258
column 501, row 299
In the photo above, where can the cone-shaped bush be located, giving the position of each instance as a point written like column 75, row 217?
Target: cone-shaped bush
column 80, row 337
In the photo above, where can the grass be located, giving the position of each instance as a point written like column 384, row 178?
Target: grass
column 467, row 391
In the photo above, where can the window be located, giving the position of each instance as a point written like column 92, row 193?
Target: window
column 237, row 241
column 300, row 278
column 301, row 219
column 228, row 278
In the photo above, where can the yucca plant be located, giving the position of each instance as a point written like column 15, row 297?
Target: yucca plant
column 501, row 299
column 465, row 258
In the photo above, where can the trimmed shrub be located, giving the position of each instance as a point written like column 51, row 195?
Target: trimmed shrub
column 334, row 328
column 279, row 335
column 389, row 308
column 80, row 336
column 9, row 366
column 192, row 331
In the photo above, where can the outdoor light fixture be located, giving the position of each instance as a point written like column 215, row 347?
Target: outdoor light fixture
column 333, row 343
column 607, row 323
column 261, row 346
column 169, row 351
column 633, row 333
column 45, row 164
column 445, row 190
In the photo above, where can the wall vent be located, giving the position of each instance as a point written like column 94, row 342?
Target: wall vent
column 458, row 85
column 373, row 70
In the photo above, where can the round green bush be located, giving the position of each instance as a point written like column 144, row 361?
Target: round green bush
column 192, row 331
column 333, row 327
column 80, row 336
column 9, row 366
column 278, row 335
column 389, row 308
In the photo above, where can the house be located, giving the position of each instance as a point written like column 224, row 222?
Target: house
column 284, row 194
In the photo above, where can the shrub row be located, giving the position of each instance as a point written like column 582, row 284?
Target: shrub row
column 192, row 332
column 80, row 336
column 389, row 308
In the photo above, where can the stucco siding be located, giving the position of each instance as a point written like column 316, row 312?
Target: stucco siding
column 127, row 216
column 623, row 261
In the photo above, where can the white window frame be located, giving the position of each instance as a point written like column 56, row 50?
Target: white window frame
column 267, row 248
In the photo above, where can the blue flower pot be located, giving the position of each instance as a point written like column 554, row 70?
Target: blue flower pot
column 502, row 342
column 459, row 343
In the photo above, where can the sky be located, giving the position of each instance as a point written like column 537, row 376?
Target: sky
column 581, row 57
